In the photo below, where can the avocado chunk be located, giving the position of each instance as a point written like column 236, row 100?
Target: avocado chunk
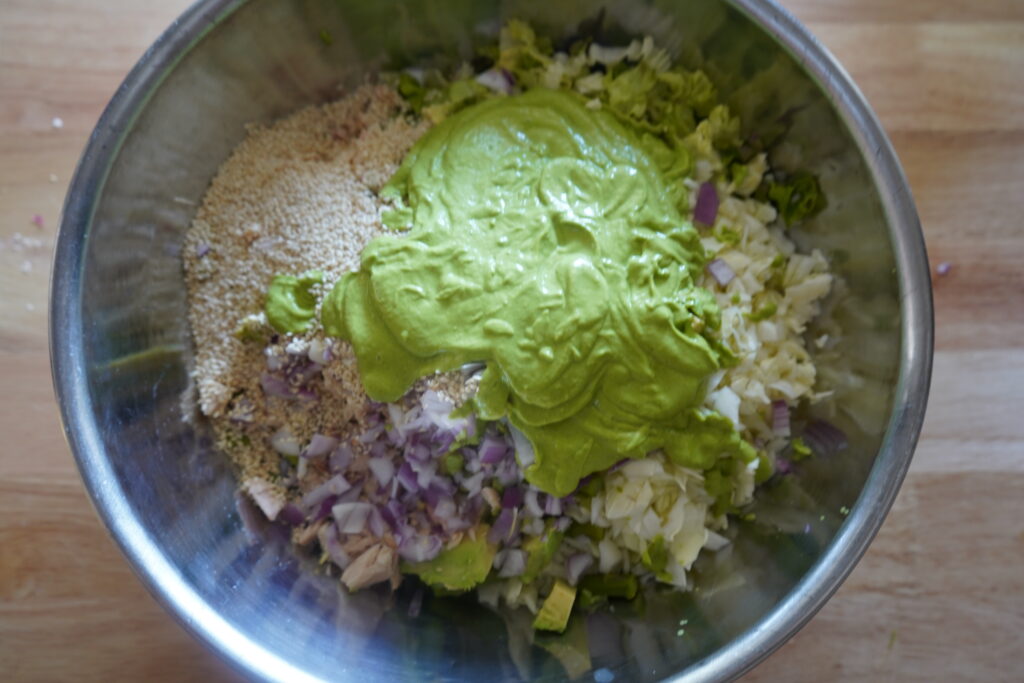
column 554, row 613
column 539, row 551
column 459, row 568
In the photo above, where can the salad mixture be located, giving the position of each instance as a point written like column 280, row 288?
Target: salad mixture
column 533, row 328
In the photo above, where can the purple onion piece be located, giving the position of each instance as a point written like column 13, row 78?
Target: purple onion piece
column 334, row 486
column 532, row 503
column 292, row 515
column 523, row 447
column 493, row 450
column 562, row 524
column 445, row 510
column 706, row 209
column 442, row 442
column 552, row 506
column 376, row 524
column 325, row 508
column 512, row 497
column 340, row 458
column 419, row 547
column 780, row 418
column 319, row 445
column 407, row 478
column 444, row 485
column 721, row 271
column 504, row 526
column 351, row 518
column 425, row 475
column 274, row 385
column 514, row 564
column 576, row 565
column 473, row 484
column 383, row 469
column 328, row 537
column 371, row 434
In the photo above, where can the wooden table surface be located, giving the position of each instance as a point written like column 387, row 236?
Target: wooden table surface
column 940, row 594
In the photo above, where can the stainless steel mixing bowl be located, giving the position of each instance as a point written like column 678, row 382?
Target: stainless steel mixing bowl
column 121, row 348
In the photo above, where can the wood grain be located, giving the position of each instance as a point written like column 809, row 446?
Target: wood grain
column 940, row 593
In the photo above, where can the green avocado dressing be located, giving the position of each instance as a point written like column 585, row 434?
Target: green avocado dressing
column 546, row 241
column 290, row 305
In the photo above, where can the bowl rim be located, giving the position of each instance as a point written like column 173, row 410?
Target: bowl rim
column 803, row 601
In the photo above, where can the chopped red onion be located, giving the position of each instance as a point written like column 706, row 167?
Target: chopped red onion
column 780, row 418
column 340, row 458
column 492, row 450
column 443, row 441
column 425, row 474
column 292, row 515
column 524, row 449
column 562, row 524
column 507, row 472
column 721, row 271
column 371, row 434
column 418, row 453
column 706, row 209
column 376, row 523
column 576, row 565
column 328, row 537
column 326, row 506
column 407, row 478
column 265, row 496
column 552, row 506
column 444, row 510
column 473, row 484
column 532, row 503
column 336, row 485
column 512, row 497
column 302, row 371
column 383, row 469
column 504, row 526
column 419, row 547
column 443, row 485
column 943, row 268
column 274, row 385
column 202, row 249
column 379, row 449
column 514, row 564
column 319, row 445
column 351, row 517
column 783, row 466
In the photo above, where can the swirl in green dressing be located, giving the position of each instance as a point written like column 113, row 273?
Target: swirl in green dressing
column 548, row 241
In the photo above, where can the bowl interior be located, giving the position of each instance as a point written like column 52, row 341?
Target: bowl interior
column 123, row 350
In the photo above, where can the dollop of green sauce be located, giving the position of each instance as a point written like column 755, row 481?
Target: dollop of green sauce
column 290, row 305
column 548, row 241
